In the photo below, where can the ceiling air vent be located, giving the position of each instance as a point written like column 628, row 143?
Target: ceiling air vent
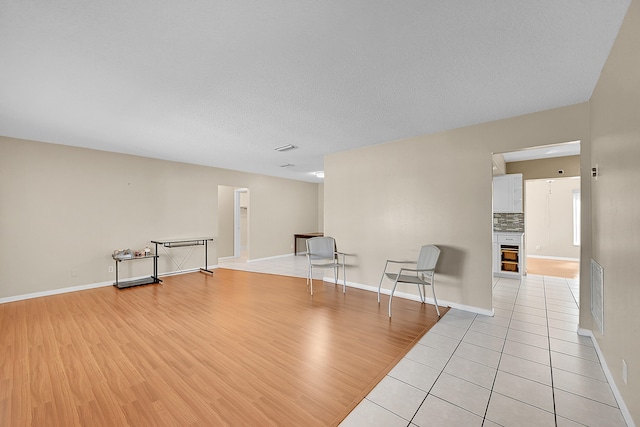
column 285, row 147
column 288, row 165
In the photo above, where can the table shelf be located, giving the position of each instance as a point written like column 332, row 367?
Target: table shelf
column 136, row 282
column 181, row 243
column 303, row 236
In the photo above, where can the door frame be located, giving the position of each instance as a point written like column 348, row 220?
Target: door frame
column 237, row 232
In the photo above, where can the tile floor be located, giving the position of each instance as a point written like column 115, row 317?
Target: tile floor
column 287, row 265
column 526, row 366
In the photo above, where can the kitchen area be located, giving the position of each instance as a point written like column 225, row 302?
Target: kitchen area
column 536, row 211
column 508, row 253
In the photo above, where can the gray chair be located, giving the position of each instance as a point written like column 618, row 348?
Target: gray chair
column 322, row 253
column 425, row 272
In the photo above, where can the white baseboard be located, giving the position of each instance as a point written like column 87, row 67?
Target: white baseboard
column 57, row 291
column 185, row 271
column 270, row 257
column 405, row 295
column 413, row 297
column 557, row 258
column 88, row 286
column 472, row 309
column 614, row 388
column 257, row 259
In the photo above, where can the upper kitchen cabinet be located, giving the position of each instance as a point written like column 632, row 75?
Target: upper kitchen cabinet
column 507, row 193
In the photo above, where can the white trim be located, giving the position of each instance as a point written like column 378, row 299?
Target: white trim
column 185, row 271
column 57, row 291
column 472, row 309
column 89, row 286
column 509, row 275
column 559, row 258
column 575, row 198
column 269, row 258
column 236, row 220
column 614, row 388
column 413, row 297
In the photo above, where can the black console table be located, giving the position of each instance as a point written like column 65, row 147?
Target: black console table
column 137, row 282
column 179, row 243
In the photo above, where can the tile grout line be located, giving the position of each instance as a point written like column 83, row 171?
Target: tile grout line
column 484, row 418
column 553, row 388
column 442, row 371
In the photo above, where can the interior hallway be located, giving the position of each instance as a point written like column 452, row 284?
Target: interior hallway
column 524, row 366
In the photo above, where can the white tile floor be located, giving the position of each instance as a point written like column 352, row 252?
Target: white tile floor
column 286, row 265
column 526, row 366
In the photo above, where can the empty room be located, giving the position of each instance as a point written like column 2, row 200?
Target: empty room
column 171, row 176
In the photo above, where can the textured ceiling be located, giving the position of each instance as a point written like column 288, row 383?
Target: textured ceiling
column 222, row 83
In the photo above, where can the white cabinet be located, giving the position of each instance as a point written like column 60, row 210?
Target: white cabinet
column 507, row 193
column 508, row 255
column 495, row 253
column 502, row 194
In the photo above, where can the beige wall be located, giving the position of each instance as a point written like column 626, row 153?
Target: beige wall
column 546, row 168
column 548, row 216
column 387, row 200
column 64, row 210
column 556, row 243
column 615, row 133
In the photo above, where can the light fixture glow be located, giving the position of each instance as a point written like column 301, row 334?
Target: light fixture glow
column 319, row 174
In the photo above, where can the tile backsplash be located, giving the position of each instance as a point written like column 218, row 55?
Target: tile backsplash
column 508, row 222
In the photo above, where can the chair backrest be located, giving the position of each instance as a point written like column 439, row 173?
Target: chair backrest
column 428, row 258
column 321, row 247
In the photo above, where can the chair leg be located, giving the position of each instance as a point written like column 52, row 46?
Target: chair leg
column 395, row 283
column 311, row 279
column 379, row 286
column 422, row 293
column 435, row 301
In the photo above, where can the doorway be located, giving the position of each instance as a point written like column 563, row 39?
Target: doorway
column 551, row 206
column 241, row 223
column 233, row 223
column 552, row 221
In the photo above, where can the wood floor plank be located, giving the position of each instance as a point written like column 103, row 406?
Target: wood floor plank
column 553, row 267
column 232, row 348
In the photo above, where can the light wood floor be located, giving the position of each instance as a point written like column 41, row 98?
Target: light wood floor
column 235, row 348
column 552, row 267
